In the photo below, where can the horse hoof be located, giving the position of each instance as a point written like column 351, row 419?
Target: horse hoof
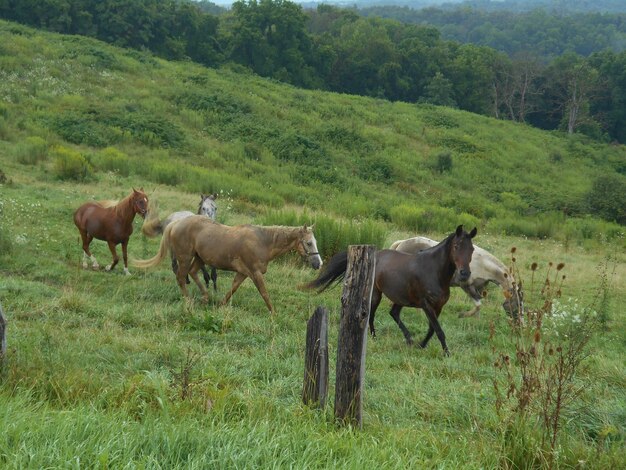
column 446, row 353
column 108, row 268
column 85, row 266
column 126, row 272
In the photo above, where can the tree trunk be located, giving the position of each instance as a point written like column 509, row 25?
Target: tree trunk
column 355, row 310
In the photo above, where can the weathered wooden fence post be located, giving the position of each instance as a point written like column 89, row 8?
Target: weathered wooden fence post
column 355, row 311
column 3, row 337
column 315, row 390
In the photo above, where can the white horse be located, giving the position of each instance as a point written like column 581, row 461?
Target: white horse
column 152, row 226
column 484, row 268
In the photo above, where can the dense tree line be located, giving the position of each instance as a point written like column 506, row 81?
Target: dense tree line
column 336, row 49
column 548, row 34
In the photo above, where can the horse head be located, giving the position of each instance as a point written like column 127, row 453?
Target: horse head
column 462, row 250
column 139, row 202
column 307, row 247
column 207, row 206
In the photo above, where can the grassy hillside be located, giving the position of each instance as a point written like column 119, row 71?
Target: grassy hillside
column 94, row 371
column 267, row 144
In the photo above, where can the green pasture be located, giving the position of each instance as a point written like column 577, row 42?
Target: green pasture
column 108, row 371
column 92, row 374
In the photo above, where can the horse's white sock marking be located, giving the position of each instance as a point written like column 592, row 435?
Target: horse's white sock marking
column 126, row 271
column 85, row 258
column 108, row 268
column 95, row 264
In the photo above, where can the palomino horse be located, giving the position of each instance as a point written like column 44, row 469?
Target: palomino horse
column 485, row 268
column 152, row 226
column 113, row 224
column 420, row 280
column 245, row 249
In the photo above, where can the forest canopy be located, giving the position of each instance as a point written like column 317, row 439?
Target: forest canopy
column 337, row 49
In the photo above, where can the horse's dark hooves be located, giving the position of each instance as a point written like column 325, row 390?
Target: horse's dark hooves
column 446, row 352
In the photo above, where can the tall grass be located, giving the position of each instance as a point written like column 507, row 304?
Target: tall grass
column 332, row 235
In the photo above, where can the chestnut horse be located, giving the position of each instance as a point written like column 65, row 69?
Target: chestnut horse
column 111, row 223
column 420, row 280
column 245, row 249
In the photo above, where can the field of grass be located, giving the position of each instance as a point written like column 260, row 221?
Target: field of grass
column 96, row 363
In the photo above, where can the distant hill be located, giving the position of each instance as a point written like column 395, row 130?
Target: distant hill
column 70, row 100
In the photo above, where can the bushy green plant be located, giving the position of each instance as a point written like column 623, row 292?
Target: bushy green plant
column 31, row 151
column 607, row 197
column 70, row 164
column 444, row 162
column 112, row 159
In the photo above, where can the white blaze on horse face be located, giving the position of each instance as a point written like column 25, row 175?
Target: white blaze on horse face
column 316, row 259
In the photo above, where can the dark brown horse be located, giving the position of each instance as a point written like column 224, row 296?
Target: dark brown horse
column 420, row 280
column 245, row 249
column 110, row 222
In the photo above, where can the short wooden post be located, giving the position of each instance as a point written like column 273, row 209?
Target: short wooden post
column 3, row 337
column 315, row 389
column 355, row 310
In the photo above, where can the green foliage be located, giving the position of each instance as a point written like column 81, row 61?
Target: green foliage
column 105, row 127
column 33, row 150
column 332, row 235
column 607, row 197
column 111, row 159
column 430, row 218
column 70, row 164
column 444, row 162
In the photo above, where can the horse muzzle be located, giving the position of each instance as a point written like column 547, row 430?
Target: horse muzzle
column 464, row 274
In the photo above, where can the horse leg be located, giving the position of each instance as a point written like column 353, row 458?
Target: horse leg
column 476, row 297
column 395, row 314
column 205, row 275
column 193, row 272
column 86, row 252
column 237, row 280
column 432, row 315
column 181, row 275
column 114, row 254
column 259, row 282
column 214, row 278
column 376, row 298
column 125, row 256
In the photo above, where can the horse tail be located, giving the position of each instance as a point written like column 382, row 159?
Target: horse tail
column 152, row 226
column 163, row 249
column 334, row 272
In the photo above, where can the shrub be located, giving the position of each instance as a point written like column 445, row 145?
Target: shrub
column 607, row 197
column 31, row 151
column 111, row 159
column 444, row 162
column 70, row 164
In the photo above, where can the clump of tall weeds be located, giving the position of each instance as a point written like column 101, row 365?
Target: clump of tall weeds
column 536, row 380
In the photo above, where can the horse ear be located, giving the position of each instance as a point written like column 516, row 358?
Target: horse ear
column 214, row 196
column 459, row 230
column 473, row 233
column 202, row 196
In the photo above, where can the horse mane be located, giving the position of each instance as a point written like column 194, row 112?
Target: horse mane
column 108, row 203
